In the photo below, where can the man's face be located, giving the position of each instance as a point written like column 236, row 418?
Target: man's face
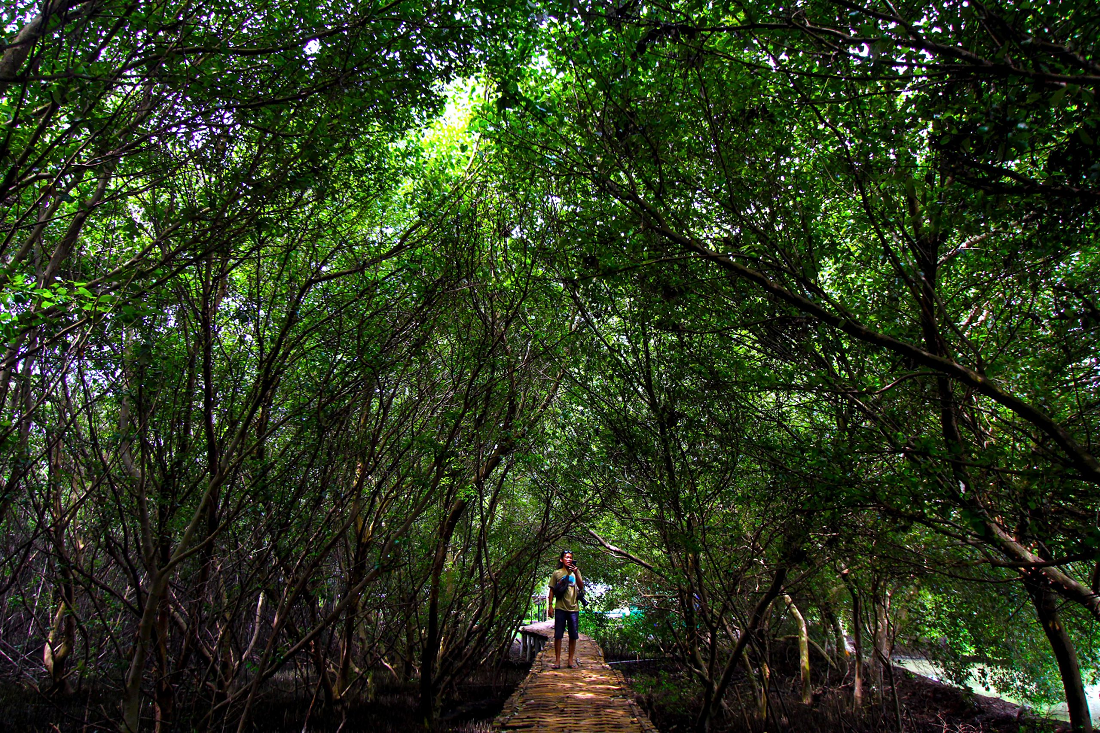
column 567, row 559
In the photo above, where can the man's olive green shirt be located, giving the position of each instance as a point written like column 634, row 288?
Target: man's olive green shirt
column 568, row 600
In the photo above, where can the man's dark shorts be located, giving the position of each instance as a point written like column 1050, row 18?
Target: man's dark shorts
column 563, row 618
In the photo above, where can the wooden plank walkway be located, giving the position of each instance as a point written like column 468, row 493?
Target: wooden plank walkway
column 591, row 699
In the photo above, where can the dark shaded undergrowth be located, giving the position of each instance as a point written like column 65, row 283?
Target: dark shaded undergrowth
column 386, row 707
column 670, row 697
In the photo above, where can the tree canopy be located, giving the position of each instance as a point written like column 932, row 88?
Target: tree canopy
column 323, row 324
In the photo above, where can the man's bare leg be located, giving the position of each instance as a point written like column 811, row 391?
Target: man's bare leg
column 572, row 650
column 557, row 652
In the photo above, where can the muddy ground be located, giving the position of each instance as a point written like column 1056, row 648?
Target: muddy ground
column 664, row 689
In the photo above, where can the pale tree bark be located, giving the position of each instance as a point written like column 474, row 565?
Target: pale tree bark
column 857, row 651
column 803, row 649
column 840, row 638
column 62, row 637
column 880, row 600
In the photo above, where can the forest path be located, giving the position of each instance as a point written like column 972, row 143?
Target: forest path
column 591, row 699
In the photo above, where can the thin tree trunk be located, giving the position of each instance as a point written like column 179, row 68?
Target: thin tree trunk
column 1046, row 608
column 428, row 681
column 803, row 650
column 429, row 687
column 165, row 695
column 715, row 692
column 840, row 639
column 881, row 654
column 62, row 637
column 765, row 674
column 857, row 639
column 356, row 573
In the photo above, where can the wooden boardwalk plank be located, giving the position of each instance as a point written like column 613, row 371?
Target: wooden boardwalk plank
column 591, row 699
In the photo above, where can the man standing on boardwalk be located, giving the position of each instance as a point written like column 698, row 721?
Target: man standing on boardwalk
column 565, row 586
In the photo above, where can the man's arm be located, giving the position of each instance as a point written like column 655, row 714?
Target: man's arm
column 550, row 603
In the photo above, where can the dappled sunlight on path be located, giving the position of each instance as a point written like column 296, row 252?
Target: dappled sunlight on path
column 591, row 699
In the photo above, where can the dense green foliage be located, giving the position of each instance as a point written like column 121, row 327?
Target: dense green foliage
column 323, row 324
